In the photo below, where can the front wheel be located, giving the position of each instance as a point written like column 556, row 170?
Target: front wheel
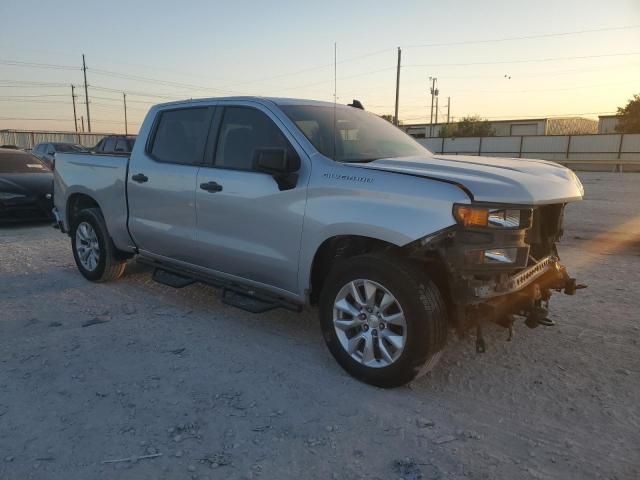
column 383, row 320
column 93, row 250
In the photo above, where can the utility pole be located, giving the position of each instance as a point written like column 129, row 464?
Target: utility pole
column 448, row 108
column 86, row 93
column 73, row 99
column 82, row 120
column 395, row 117
column 434, row 93
column 124, row 97
column 436, row 122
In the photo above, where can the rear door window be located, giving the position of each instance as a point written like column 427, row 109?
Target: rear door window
column 180, row 135
column 121, row 146
column 110, row 145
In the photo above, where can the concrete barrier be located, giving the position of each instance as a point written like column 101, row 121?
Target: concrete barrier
column 610, row 152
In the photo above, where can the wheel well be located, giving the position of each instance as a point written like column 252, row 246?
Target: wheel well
column 342, row 247
column 78, row 202
column 337, row 248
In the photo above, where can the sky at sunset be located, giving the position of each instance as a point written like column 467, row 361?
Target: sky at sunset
column 160, row 51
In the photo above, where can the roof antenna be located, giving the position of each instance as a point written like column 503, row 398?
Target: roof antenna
column 335, row 94
column 356, row 104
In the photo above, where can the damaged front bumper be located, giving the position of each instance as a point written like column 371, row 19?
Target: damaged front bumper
column 549, row 269
column 525, row 294
column 498, row 274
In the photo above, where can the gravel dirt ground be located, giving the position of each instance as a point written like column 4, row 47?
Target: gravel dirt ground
column 98, row 372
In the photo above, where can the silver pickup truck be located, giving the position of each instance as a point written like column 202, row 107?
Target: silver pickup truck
column 284, row 203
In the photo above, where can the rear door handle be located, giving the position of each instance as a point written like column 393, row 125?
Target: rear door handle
column 211, row 187
column 140, row 178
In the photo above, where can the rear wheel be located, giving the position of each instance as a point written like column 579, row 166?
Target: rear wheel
column 383, row 320
column 93, row 250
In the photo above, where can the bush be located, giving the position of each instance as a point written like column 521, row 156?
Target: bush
column 468, row 127
column 629, row 116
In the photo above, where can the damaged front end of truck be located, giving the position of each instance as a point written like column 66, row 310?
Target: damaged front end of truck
column 499, row 262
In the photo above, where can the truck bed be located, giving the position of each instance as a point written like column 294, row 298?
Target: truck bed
column 103, row 178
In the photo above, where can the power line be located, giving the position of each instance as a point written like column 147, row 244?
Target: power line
column 563, row 89
column 138, row 78
column 533, row 90
column 13, row 84
column 467, row 42
column 32, row 96
column 37, row 119
column 120, row 100
column 502, row 62
column 546, row 73
column 525, row 37
column 27, row 100
column 361, row 74
column 369, row 72
column 327, row 65
column 31, row 82
column 16, row 63
column 114, row 107
column 136, row 93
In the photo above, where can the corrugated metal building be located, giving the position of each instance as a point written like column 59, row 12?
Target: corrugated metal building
column 531, row 126
column 607, row 123
column 30, row 138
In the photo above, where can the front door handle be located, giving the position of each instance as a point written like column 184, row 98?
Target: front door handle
column 211, row 187
column 140, row 178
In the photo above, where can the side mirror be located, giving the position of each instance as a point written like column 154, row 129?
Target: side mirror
column 276, row 161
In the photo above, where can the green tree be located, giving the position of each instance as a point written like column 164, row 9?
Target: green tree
column 473, row 126
column 629, row 117
column 389, row 118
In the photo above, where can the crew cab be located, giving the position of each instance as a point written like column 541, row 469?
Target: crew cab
column 286, row 203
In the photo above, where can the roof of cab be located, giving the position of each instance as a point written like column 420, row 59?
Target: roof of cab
column 275, row 100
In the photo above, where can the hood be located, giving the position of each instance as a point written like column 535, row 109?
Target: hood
column 29, row 184
column 492, row 179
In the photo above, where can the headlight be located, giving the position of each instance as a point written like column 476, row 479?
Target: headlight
column 505, row 218
column 471, row 216
column 10, row 196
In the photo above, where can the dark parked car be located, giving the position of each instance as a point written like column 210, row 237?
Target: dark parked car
column 26, row 187
column 114, row 144
column 46, row 151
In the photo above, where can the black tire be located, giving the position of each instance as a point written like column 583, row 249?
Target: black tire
column 421, row 302
column 110, row 265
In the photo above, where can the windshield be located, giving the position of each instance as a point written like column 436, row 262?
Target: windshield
column 18, row 162
column 360, row 136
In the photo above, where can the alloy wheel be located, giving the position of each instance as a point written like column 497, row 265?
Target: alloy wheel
column 87, row 246
column 369, row 323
